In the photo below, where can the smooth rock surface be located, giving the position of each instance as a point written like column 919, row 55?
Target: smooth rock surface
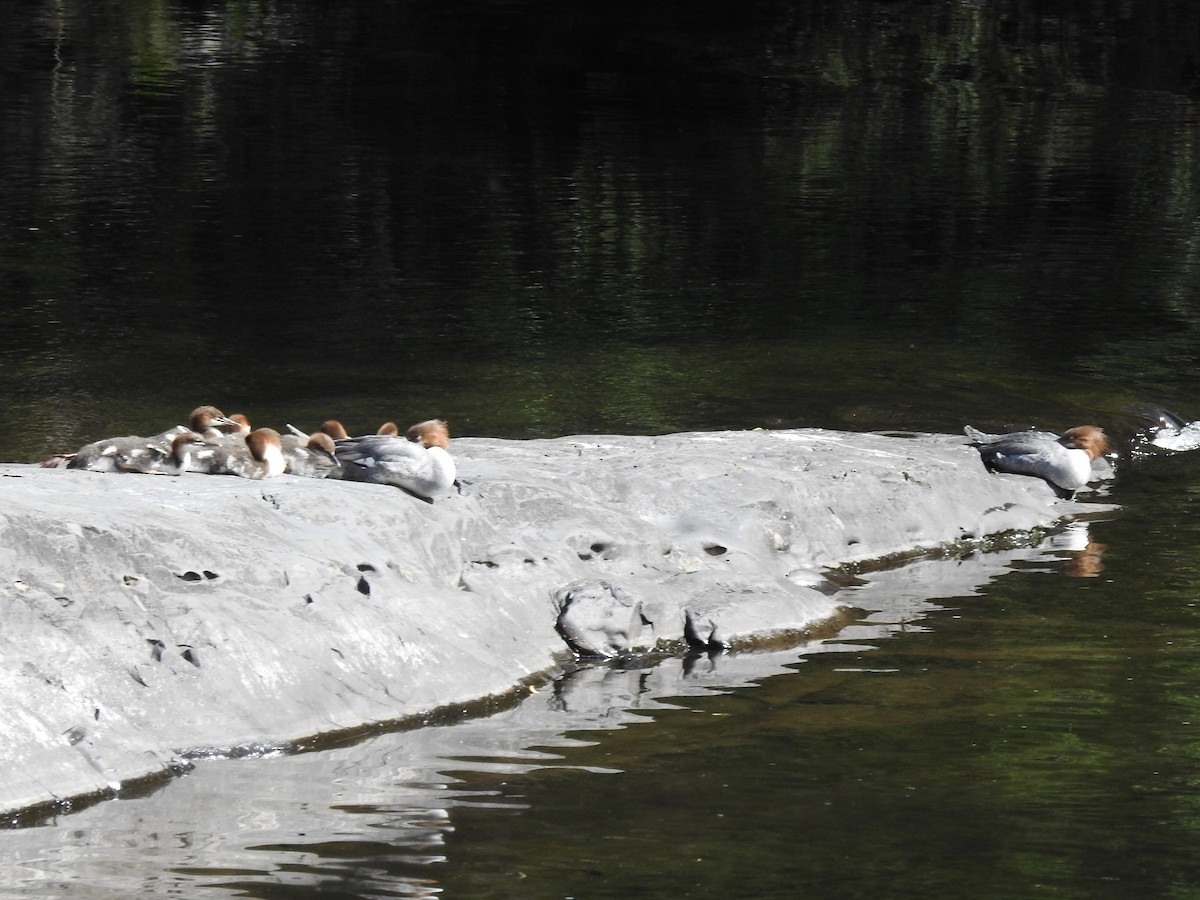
column 144, row 617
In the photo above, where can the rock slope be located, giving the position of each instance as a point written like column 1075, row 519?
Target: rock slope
column 144, row 618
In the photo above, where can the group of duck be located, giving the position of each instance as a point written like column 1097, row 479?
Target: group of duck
column 420, row 463
column 215, row 444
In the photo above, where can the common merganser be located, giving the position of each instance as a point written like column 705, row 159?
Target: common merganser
column 258, row 455
column 143, row 455
column 1063, row 460
column 180, row 459
column 206, row 421
column 335, row 429
column 420, row 464
column 338, row 432
column 332, row 427
column 108, row 455
column 225, row 438
column 310, row 456
column 113, row 454
column 238, row 424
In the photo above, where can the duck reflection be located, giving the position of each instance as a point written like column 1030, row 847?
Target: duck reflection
column 1076, row 553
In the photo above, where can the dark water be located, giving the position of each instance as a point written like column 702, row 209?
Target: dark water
column 536, row 219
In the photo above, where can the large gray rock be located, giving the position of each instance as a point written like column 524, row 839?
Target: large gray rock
column 143, row 618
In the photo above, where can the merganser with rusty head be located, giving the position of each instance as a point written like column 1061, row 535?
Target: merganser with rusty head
column 310, row 456
column 146, row 456
column 207, row 421
column 112, row 454
column 338, row 432
column 1065, row 460
column 258, row 455
column 419, row 464
column 334, row 429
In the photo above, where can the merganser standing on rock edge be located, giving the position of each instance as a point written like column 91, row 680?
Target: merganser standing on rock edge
column 420, row 465
column 1063, row 460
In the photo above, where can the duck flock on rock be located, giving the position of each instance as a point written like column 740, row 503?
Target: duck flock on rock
column 215, row 444
column 419, row 462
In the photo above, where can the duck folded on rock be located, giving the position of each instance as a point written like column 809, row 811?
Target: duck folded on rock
column 257, row 455
column 419, row 463
column 310, row 456
column 145, row 456
column 1065, row 461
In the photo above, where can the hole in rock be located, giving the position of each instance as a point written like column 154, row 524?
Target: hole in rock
column 190, row 576
column 366, row 567
column 715, row 549
column 156, row 648
column 363, row 587
column 210, row 575
column 190, row 655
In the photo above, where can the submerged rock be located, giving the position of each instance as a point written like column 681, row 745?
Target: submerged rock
column 148, row 619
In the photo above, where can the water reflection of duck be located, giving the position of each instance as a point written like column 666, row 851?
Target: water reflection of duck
column 1078, row 555
column 1063, row 460
column 420, row 464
